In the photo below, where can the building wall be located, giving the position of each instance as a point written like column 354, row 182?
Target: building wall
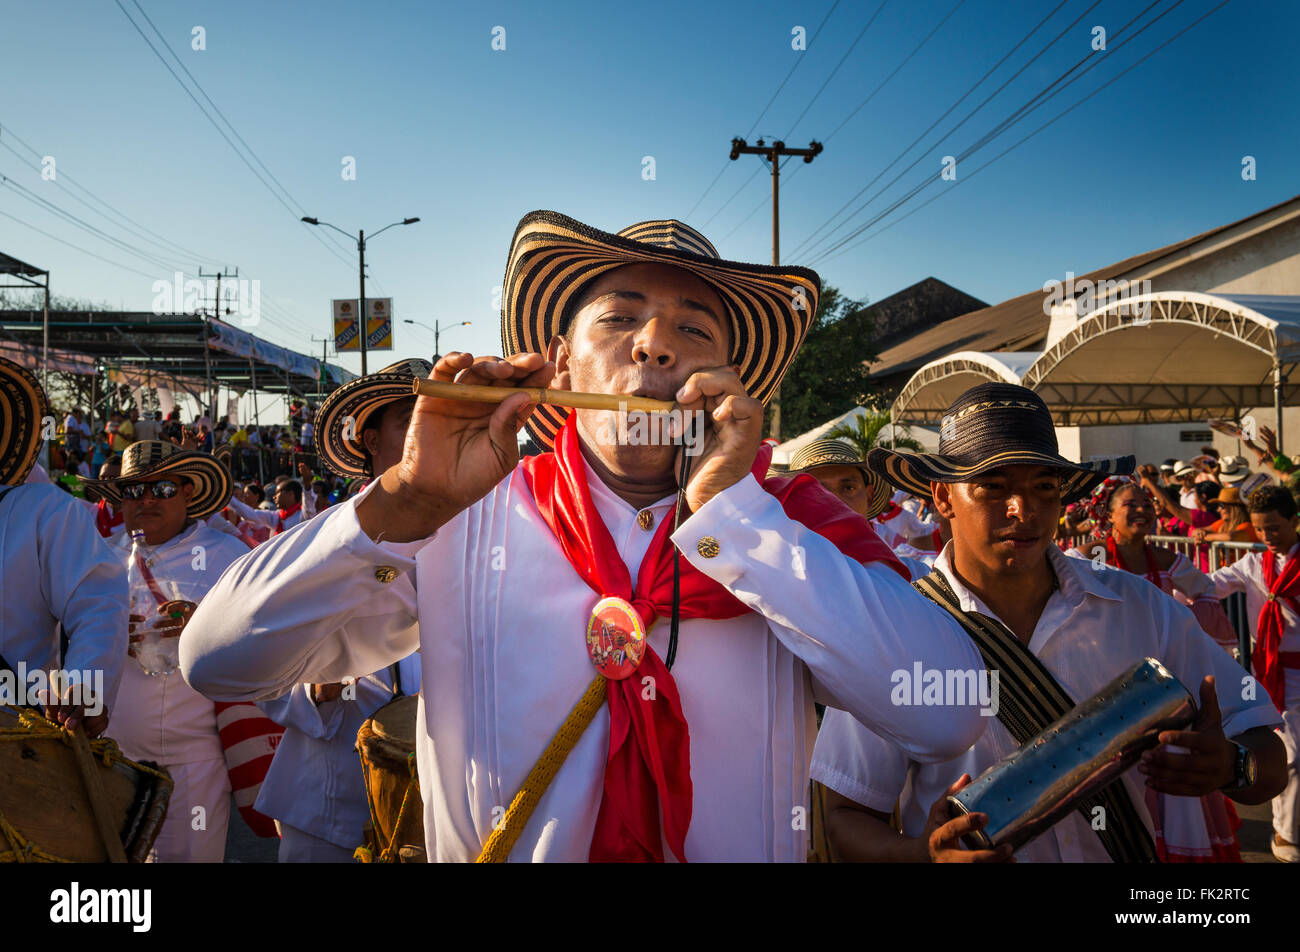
column 1155, row 442
column 1267, row 263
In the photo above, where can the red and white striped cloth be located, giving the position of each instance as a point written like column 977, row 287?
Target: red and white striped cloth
column 248, row 739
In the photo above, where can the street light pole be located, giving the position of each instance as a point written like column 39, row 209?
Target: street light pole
column 365, row 324
column 361, row 255
column 437, row 332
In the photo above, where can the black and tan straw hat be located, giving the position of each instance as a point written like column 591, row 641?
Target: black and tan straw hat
column 552, row 258
column 993, row 425
column 343, row 415
column 23, row 407
column 831, row 452
column 149, row 458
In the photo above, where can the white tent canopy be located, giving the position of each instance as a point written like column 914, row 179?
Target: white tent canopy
column 1152, row 358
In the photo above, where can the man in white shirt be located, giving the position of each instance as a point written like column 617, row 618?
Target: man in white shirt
column 456, row 539
column 1271, row 603
column 314, row 788
column 54, row 569
column 288, row 499
column 167, row 493
column 999, row 479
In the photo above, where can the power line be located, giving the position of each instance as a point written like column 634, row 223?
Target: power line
column 883, row 83
column 272, row 306
column 829, row 256
column 846, row 55
column 1024, row 39
column 1040, row 98
column 61, row 177
column 797, row 63
column 296, row 215
column 41, row 231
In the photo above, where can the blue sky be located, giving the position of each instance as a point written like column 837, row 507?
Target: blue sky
column 469, row 139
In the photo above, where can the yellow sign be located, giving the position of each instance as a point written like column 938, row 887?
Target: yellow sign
column 379, row 325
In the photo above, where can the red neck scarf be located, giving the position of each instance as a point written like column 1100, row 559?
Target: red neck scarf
column 1116, row 558
column 893, row 510
column 285, row 514
column 649, row 765
column 106, row 520
column 1268, row 662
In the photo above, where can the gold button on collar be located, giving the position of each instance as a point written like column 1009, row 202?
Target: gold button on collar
column 645, row 519
column 708, row 547
column 385, row 573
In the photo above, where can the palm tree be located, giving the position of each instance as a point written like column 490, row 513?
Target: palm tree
column 863, row 431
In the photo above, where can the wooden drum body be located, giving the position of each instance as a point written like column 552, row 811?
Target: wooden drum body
column 45, row 811
column 386, row 743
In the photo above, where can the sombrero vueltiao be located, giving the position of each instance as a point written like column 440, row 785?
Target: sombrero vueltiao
column 23, row 407
column 553, row 257
column 338, row 441
column 833, row 452
column 147, row 459
column 988, row 426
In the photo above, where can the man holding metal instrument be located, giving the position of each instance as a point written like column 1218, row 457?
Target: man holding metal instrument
column 1064, row 628
column 768, row 593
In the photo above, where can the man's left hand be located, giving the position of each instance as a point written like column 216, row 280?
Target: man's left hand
column 732, row 432
column 1208, row 764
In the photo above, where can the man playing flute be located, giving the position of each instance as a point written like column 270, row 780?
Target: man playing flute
column 715, row 611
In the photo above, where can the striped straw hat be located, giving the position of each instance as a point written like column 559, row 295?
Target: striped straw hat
column 830, row 452
column 149, row 458
column 993, row 425
column 343, row 415
column 23, row 407
column 552, row 258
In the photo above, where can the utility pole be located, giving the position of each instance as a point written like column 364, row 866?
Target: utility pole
column 207, row 358
column 773, row 153
column 324, row 356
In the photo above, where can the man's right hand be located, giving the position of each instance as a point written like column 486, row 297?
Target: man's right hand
column 942, row 836
column 456, row 450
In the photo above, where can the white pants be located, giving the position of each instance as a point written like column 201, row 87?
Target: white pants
column 1286, row 805
column 298, row 846
column 201, row 798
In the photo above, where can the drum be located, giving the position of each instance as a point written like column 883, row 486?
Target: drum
column 46, row 812
column 386, row 744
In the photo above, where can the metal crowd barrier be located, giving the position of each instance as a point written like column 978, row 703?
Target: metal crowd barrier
column 1222, row 554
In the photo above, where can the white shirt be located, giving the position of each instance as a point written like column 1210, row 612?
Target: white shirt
column 1093, row 628
column 502, row 619
column 1247, row 575
column 55, row 567
column 160, row 717
column 267, row 518
column 315, row 782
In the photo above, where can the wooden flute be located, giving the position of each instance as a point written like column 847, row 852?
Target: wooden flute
column 560, row 398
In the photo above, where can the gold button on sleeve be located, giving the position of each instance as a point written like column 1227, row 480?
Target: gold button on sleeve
column 708, row 547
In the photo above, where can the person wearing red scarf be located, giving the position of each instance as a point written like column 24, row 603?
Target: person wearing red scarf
column 757, row 596
column 1271, row 583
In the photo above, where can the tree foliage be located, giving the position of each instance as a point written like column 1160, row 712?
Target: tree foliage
column 829, row 374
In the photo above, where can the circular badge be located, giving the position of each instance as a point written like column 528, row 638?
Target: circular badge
column 615, row 638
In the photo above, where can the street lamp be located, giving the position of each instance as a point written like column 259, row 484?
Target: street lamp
column 361, row 252
column 437, row 331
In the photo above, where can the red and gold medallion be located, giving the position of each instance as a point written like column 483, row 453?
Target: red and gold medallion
column 615, row 638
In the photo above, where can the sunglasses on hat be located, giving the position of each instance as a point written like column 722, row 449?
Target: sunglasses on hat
column 162, row 489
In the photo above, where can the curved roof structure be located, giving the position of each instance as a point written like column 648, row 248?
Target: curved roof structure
column 933, row 388
column 1152, row 358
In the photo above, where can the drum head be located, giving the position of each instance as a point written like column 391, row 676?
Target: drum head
column 394, row 723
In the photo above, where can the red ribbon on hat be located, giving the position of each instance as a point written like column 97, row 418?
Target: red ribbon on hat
column 648, row 766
